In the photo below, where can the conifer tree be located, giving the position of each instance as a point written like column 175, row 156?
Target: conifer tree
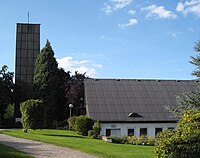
column 46, row 82
column 196, row 60
column 189, row 100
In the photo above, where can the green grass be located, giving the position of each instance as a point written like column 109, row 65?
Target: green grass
column 96, row 147
column 8, row 152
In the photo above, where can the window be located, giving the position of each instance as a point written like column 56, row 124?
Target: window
column 143, row 131
column 130, row 132
column 157, row 130
column 108, row 132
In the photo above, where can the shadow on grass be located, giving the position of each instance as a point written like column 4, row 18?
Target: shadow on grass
column 61, row 135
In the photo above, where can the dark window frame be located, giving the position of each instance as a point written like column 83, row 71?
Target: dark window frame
column 129, row 132
column 108, row 132
column 142, row 131
column 158, row 130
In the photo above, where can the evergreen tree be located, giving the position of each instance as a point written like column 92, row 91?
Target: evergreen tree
column 189, row 100
column 196, row 61
column 46, row 82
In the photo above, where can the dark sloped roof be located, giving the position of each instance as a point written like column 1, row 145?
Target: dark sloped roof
column 110, row 100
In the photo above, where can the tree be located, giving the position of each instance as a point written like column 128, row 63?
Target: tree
column 64, row 86
column 6, row 87
column 189, row 100
column 196, row 61
column 184, row 142
column 75, row 93
column 46, row 82
column 32, row 114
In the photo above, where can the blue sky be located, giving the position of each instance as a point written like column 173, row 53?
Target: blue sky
column 151, row 39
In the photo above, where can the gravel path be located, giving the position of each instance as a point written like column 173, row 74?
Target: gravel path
column 41, row 150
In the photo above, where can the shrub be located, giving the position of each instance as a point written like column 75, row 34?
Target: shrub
column 120, row 140
column 184, row 142
column 116, row 139
column 9, row 112
column 151, row 141
column 71, row 121
column 91, row 133
column 83, row 125
column 32, row 114
column 133, row 140
column 96, row 130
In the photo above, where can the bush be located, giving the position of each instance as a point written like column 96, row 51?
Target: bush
column 116, row 139
column 151, row 141
column 9, row 112
column 83, row 125
column 71, row 121
column 184, row 142
column 120, row 140
column 133, row 140
column 32, row 114
column 96, row 130
column 91, row 133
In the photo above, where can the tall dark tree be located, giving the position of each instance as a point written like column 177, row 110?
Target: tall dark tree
column 64, row 86
column 46, row 82
column 6, row 90
column 75, row 93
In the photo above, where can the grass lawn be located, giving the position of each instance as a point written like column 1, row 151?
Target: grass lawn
column 96, row 147
column 8, row 152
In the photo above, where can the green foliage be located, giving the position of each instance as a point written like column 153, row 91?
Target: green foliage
column 75, row 93
column 187, row 101
column 83, row 124
column 196, row 61
column 32, row 114
column 94, row 133
column 119, row 140
column 9, row 112
column 71, row 121
column 134, row 140
column 46, row 83
column 190, row 100
column 7, row 87
column 57, row 88
column 184, row 142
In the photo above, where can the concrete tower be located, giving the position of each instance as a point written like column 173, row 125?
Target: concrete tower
column 27, row 49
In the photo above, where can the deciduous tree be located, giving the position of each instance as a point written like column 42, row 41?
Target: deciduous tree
column 6, row 90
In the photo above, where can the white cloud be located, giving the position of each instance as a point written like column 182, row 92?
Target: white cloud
column 192, row 6
column 131, row 12
column 158, row 12
column 130, row 23
column 114, row 5
column 180, row 7
column 82, row 66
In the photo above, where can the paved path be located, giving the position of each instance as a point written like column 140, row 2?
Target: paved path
column 41, row 150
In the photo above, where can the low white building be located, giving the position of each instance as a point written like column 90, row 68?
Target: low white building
column 137, row 129
column 130, row 107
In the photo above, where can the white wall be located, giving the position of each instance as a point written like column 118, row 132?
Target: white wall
column 125, row 126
